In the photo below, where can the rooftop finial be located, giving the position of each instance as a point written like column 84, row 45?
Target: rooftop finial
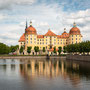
column 64, row 29
column 48, row 29
column 74, row 24
column 26, row 24
column 30, row 23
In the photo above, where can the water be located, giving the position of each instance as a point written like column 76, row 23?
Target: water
column 55, row 74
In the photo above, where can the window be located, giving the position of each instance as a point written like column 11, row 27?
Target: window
column 46, row 47
column 72, row 35
column 46, row 39
column 30, row 38
column 27, row 41
column 72, row 38
column 72, row 42
column 58, row 39
column 76, row 35
column 76, row 38
column 40, row 42
column 27, row 38
column 31, row 42
column 46, row 42
column 34, row 38
column 76, row 41
column 54, row 39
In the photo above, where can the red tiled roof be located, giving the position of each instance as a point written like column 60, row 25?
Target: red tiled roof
column 50, row 33
column 40, row 36
column 31, row 30
column 22, row 38
column 64, row 35
column 74, row 30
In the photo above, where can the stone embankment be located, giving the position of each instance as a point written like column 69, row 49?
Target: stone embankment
column 78, row 57
column 30, row 57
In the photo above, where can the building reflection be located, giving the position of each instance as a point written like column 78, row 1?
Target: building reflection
column 71, row 72
column 9, row 66
column 51, row 69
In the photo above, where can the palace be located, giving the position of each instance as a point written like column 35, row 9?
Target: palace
column 49, row 40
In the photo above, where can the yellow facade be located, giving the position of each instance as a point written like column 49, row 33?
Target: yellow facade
column 49, row 40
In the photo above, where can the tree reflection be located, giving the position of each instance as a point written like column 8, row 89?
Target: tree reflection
column 56, row 68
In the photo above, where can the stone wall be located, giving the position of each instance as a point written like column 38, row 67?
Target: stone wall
column 78, row 57
column 30, row 57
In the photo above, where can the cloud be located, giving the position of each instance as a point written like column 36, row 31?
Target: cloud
column 2, row 16
column 8, row 4
column 40, row 24
column 43, row 16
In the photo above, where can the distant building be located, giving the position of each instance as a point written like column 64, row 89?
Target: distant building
column 49, row 40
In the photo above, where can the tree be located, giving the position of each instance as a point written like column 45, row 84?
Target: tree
column 21, row 49
column 64, row 49
column 4, row 49
column 29, row 49
column 54, row 50
column 59, row 50
column 13, row 48
column 83, row 47
column 36, row 48
column 44, row 49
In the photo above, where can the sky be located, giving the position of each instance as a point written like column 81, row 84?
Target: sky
column 44, row 14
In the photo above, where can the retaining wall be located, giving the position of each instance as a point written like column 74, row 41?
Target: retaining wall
column 29, row 57
column 78, row 57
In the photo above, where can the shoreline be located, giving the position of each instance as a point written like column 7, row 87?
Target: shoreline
column 85, row 58
column 30, row 57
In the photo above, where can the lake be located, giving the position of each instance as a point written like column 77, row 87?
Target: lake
column 41, row 74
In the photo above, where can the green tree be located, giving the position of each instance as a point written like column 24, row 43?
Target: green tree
column 54, row 50
column 59, row 50
column 44, row 49
column 83, row 47
column 29, row 49
column 13, row 48
column 4, row 49
column 36, row 48
column 21, row 49
column 64, row 49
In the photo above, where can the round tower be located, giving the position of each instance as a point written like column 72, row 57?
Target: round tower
column 75, row 35
column 30, row 37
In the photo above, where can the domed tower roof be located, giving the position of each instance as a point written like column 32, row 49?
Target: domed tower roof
column 30, row 29
column 65, row 34
column 74, row 30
